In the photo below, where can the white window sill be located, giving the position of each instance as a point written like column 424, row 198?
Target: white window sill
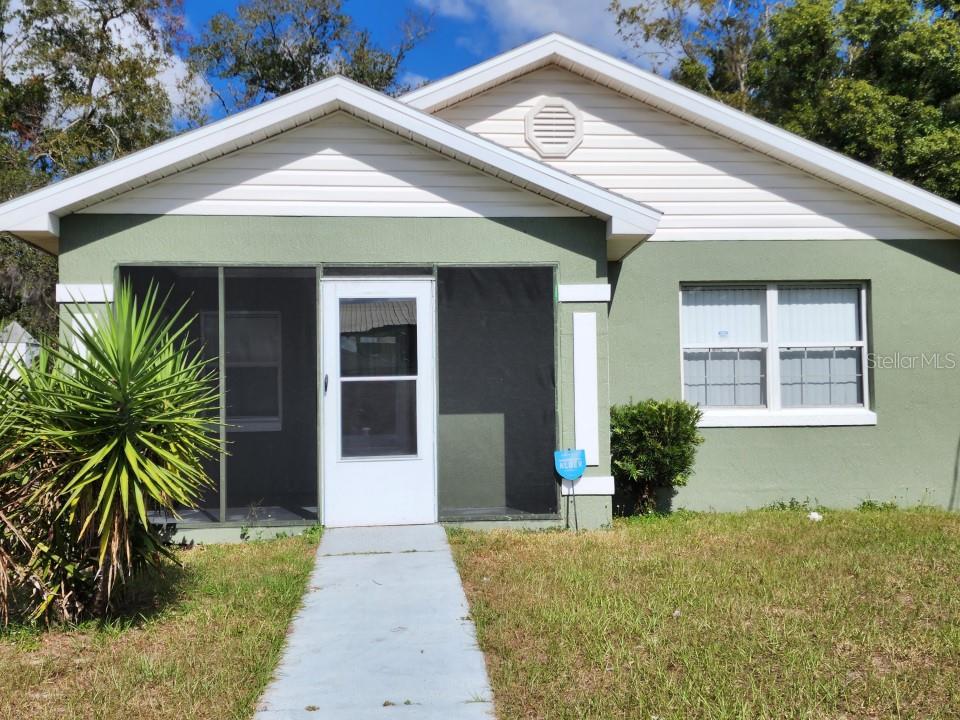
column 793, row 417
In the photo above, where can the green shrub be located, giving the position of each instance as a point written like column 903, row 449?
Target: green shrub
column 653, row 446
column 106, row 426
column 793, row 505
column 870, row 505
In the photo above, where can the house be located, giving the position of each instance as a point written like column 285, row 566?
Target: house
column 414, row 301
column 16, row 346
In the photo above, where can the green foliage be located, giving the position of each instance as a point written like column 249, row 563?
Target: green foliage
column 653, row 445
column 81, row 83
column 271, row 47
column 878, row 80
column 679, row 515
column 28, row 277
column 312, row 533
column 869, row 505
column 708, row 45
column 110, row 424
column 793, row 505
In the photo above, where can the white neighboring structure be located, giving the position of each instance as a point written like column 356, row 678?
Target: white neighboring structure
column 16, row 344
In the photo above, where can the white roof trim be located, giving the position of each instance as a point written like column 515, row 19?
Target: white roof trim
column 35, row 216
column 677, row 100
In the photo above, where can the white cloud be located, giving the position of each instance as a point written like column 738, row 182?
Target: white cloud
column 472, row 44
column 518, row 21
column 413, row 80
column 459, row 9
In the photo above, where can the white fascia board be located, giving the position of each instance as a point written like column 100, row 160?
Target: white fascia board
column 84, row 293
column 584, row 292
column 42, row 231
column 622, row 237
column 698, row 109
column 41, row 208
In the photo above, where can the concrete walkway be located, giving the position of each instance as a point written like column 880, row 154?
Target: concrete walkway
column 383, row 633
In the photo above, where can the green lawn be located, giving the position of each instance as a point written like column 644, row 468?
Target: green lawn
column 204, row 643
column 756, row 615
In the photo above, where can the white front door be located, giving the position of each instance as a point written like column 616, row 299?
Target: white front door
column 379, row 404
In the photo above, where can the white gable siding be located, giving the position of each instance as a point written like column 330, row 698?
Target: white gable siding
column 336, row 166
column 708, row 187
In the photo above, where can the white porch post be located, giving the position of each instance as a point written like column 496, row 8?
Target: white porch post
column 587, row 386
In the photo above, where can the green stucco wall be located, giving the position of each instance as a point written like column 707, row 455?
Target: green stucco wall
column 910, row 456
column 93, row 246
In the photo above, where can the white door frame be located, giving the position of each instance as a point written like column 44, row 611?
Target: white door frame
column 378, row 490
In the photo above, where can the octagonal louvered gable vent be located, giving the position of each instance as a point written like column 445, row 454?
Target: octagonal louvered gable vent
column 554, row 127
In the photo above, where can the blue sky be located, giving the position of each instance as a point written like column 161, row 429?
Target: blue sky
column 465, row 31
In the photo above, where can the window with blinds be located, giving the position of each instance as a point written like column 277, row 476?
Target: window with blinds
column 820, row 346
column 724, row 346
column 773, row 346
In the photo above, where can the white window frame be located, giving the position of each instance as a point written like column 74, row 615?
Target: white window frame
column 774, row 415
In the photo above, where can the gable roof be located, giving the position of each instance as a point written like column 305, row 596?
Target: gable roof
column 35, row 216
column 670, row 97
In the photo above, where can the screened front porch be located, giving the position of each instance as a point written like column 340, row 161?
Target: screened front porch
column 261, row 327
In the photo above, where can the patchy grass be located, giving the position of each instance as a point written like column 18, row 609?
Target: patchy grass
column 755, row 615
column 204, row 643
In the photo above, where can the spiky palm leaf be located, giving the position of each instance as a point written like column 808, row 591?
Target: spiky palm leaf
column 130, row 407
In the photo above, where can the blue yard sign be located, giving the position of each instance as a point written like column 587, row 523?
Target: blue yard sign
column 570, row 464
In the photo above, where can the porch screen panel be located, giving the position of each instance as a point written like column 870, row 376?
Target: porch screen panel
column 198, row 288
column 270, row 342
column 497, row 392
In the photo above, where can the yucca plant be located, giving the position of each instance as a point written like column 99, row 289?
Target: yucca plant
column 114, row 421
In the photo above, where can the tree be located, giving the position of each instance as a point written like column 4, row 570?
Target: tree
column 81, row 82
column 27, row 280
column 271, row 47
column 707, row 45
column 878, row 80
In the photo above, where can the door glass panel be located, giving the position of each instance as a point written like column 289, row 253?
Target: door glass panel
column 378, row 336
column 378, row 417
